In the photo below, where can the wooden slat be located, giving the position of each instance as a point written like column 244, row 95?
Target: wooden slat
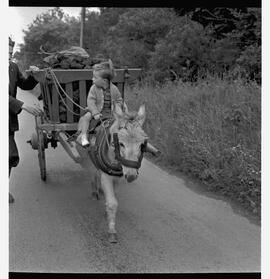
column 47, row 101
column 83, row 76
column 58, row 127
column 70, row 75
column 55, row 104
column 69, row 91
column 69, row 147
column 120, row 86
column 83, row 93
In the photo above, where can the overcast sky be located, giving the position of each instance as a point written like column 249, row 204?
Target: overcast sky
column 23, row 16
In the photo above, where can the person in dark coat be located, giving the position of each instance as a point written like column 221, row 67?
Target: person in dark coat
column 16, row 79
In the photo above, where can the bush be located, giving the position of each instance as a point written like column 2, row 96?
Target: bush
column 133, row 38
column 181, row 52
column 209, row 129
column 250, row 63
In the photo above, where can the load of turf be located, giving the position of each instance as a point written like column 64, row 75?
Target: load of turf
column 72, row 58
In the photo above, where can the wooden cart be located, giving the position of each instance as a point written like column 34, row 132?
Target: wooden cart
column 68, row 88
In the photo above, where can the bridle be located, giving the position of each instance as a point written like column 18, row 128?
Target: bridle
column 123, row 161
column 118, row 157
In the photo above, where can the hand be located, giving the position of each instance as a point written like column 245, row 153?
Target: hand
column 97, row 116
column 33, row 69
column 34, row 110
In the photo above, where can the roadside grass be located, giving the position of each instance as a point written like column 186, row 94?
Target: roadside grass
column 210, row 130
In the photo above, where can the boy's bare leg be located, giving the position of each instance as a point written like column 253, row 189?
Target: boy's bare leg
column 83, row 127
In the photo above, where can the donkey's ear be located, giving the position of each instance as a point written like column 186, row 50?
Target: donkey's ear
column 117, row 112
column 141, row 115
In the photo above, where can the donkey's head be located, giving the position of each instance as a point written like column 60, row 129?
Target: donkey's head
column 129, row 140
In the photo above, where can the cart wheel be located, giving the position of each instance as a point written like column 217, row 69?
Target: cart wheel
column 41, row 150
column 34, row 141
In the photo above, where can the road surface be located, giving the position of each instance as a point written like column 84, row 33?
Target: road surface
column 163, row 224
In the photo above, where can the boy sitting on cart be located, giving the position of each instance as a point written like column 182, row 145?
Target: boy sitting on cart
column 102, row 96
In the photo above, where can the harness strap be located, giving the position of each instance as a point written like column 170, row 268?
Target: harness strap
column 123, row 161
column 98, row 154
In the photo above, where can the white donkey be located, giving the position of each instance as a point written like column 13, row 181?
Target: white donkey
column 117, row 152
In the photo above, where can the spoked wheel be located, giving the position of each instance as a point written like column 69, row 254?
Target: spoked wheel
column 41, row 149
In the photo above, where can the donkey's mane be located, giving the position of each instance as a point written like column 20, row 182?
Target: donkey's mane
column 133, row 131
column 133, row 134
column 129, row 127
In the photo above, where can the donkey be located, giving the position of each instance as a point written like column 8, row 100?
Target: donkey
column 117, row 152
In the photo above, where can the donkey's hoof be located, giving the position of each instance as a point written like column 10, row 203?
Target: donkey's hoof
column 112, row 237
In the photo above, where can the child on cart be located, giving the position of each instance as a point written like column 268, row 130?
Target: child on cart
column 103, row 95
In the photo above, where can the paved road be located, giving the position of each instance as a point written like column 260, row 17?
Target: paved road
column 163, row 225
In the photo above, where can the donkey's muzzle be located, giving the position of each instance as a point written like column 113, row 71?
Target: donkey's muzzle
column 130, row 178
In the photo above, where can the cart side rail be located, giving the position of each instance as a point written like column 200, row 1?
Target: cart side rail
column 75, row 83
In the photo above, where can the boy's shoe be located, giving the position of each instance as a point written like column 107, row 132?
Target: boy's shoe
column 84, row 141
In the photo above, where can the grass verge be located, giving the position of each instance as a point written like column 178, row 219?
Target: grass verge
column 210, row 130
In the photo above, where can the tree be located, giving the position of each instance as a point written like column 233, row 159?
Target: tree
column 49, row 30
column 167, row 42
column 131, row 40
column 181, row 52
column 209, row 40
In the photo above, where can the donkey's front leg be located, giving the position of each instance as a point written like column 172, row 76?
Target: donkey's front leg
column 111, row 204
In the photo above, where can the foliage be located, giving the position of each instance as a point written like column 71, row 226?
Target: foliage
column 181, row 52
column 210, row 130
column 224, row 20
column 48, row 30
column 250, row 63
column 166, row 43
column 135, row 35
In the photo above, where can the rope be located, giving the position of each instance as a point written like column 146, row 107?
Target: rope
column 102, row 124
column 57, row 86
column 55, row 78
